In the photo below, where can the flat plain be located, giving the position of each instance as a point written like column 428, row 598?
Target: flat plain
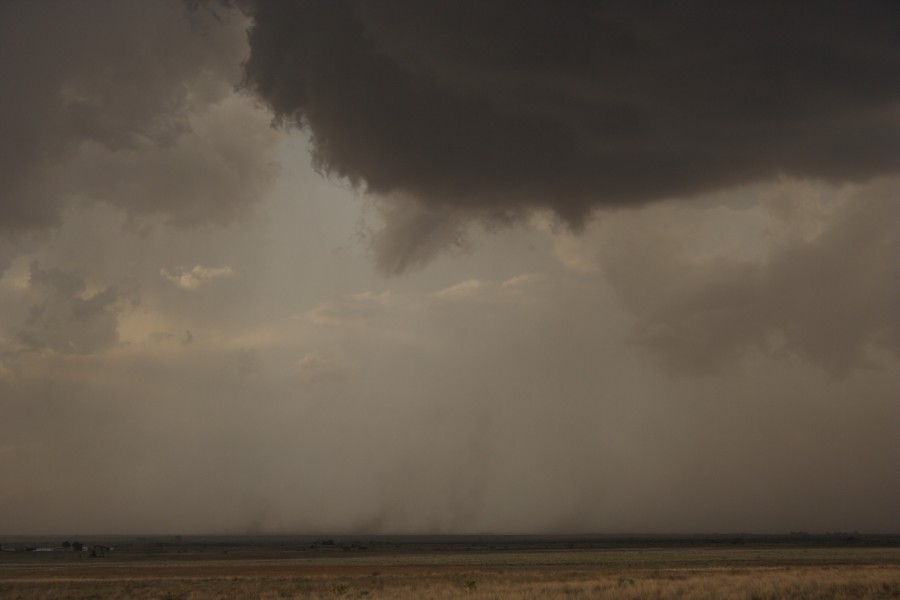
column 473, row 567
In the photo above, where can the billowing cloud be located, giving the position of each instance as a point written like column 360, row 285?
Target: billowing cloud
column 66, row 316
column 130, row 103
column 825, row 288
column 192, row 279
column 485, row 110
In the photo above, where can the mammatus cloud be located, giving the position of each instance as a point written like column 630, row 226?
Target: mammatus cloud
column 483, row 110
column 192, row 279
column 130, row 103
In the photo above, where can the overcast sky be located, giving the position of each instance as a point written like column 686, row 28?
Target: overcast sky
column 393, row 266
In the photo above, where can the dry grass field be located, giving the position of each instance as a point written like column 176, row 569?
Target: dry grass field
column 261, row 573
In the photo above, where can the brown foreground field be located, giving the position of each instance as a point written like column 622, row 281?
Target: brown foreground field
column 260, row 572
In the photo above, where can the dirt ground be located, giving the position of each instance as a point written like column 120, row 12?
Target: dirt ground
column 186, row 571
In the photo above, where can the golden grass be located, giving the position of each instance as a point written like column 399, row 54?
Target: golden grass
column 627, row 575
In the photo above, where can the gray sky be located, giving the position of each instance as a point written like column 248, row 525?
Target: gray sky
column 512, row 267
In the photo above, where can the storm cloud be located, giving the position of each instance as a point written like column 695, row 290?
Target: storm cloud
column 454, row 113
column 129, row 103
column 499, row 107
column 682, row 315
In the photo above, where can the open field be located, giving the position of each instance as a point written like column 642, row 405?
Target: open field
column 482, row 568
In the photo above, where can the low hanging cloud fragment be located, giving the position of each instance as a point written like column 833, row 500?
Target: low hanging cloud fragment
column 485, row 110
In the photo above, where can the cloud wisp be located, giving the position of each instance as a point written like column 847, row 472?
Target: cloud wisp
column 192, row 279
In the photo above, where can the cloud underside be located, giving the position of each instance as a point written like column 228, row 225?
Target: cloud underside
column 484, row 110
column 450, row 114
